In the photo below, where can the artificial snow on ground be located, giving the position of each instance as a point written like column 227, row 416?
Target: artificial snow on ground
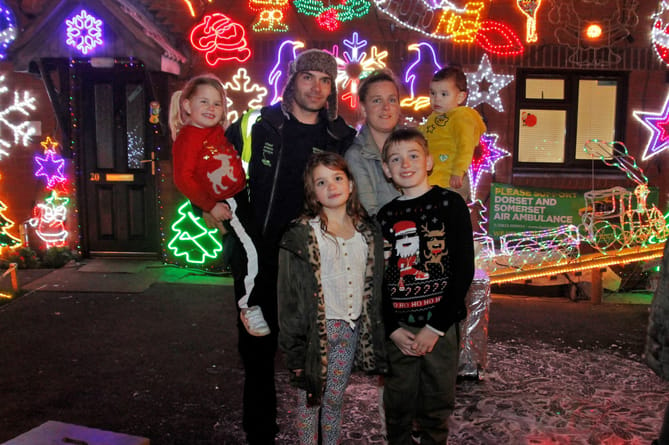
column 530, row 394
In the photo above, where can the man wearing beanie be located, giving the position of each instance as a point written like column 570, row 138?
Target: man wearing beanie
column 281, row 140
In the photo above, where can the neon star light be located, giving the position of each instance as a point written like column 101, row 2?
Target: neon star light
column 495, row 82
column 21, row 130
column 286, row 53
column 84, row 32
column 51, row 168
column 8, row 31
column 425, row 53
column 658, row 124
column 270, row 15
column 485, row 158
column 241, row 85
column 193, row 240
column 220, row 39
column 356, row 65
column 331, row 16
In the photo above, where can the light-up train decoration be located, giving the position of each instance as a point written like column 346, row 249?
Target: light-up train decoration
column 616, row 218
column 617, row 223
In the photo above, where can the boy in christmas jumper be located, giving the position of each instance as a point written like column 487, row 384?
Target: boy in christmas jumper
column 209, row 171
column 427, row 276
column 452, row 130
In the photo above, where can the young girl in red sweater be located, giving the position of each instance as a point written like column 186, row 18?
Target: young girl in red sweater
column 208, row 170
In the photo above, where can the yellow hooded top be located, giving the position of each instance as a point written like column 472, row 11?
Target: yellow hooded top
column 452, row 138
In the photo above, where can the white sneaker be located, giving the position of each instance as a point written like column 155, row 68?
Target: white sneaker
column 254, row 322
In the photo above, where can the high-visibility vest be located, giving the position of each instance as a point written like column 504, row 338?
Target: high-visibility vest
column 248, row 119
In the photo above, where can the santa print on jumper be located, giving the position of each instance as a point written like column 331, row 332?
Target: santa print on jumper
column 417, row 268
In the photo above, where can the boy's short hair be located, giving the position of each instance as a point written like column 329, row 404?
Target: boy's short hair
column 452, row 71
column 404, row 135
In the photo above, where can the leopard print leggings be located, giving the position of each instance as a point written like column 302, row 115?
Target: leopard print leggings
column 342, row 343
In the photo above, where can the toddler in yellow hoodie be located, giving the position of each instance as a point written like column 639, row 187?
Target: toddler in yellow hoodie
column 452, row 130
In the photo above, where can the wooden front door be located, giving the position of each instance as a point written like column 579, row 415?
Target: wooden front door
column 118, row 208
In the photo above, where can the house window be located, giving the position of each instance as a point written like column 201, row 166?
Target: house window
column 558, row 112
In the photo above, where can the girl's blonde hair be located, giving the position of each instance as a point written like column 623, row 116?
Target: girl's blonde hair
column 177, row 114
column 312, row 207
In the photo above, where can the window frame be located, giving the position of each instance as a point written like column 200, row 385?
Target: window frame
column 569, row 104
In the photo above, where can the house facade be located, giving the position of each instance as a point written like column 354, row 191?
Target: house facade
column 547, row 76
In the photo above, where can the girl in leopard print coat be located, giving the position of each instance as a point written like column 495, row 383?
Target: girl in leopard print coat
column 329, row 290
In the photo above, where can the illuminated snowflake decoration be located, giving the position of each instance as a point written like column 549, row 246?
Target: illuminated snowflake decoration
column 489, row 92
column 486, row 156
column 355, row 64
column 23, row 130
column 84, row 32
column 242, row 86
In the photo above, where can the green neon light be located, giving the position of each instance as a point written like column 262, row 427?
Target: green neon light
column 193, row 239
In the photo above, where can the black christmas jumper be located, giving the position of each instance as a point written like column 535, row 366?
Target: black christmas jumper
column 431, row 265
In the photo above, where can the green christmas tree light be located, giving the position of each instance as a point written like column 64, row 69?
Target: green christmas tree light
column 193, row 239
column 6, row 239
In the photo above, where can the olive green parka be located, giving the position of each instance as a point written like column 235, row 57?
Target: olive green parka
column 302, row 327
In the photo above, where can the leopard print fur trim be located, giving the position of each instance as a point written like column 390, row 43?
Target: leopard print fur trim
column 315, row 261
column 364, row 358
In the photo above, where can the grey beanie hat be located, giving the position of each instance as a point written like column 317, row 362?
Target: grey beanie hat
column 312, row 60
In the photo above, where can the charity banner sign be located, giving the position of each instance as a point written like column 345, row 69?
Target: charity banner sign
column 518, row 209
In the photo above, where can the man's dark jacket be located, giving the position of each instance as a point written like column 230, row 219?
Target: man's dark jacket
column 269, row 152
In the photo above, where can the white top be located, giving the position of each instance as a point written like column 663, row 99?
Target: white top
column 343, row 263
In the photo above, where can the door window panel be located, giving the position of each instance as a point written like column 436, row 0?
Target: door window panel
column 104, row 127
column 135, row 115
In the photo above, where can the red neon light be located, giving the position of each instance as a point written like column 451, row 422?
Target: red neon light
column 329, row 20
column 498, row 38
column 220, row 39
